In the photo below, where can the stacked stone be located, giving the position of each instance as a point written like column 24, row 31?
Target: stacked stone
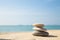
column 39, row 30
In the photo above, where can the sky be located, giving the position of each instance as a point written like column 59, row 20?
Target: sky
column 27, row 12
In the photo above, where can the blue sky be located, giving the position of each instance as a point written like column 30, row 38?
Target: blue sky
column 15, row 12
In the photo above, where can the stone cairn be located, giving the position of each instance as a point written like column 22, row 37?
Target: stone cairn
column 39, row 30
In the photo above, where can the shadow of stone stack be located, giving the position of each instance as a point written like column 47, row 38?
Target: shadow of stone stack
column 39, row 30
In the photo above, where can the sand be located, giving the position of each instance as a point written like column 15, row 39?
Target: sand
column 54, row 35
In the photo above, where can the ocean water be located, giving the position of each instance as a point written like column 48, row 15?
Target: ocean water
column 24, row 28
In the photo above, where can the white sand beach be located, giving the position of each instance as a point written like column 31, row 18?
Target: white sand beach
column 54, row 35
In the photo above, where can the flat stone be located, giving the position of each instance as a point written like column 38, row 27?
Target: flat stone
column 39, row 29
column 38, row 25
column 40, row 33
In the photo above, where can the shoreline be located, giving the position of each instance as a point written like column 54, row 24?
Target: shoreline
column 27, row 31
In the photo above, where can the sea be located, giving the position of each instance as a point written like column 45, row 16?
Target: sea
column 25, row 28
